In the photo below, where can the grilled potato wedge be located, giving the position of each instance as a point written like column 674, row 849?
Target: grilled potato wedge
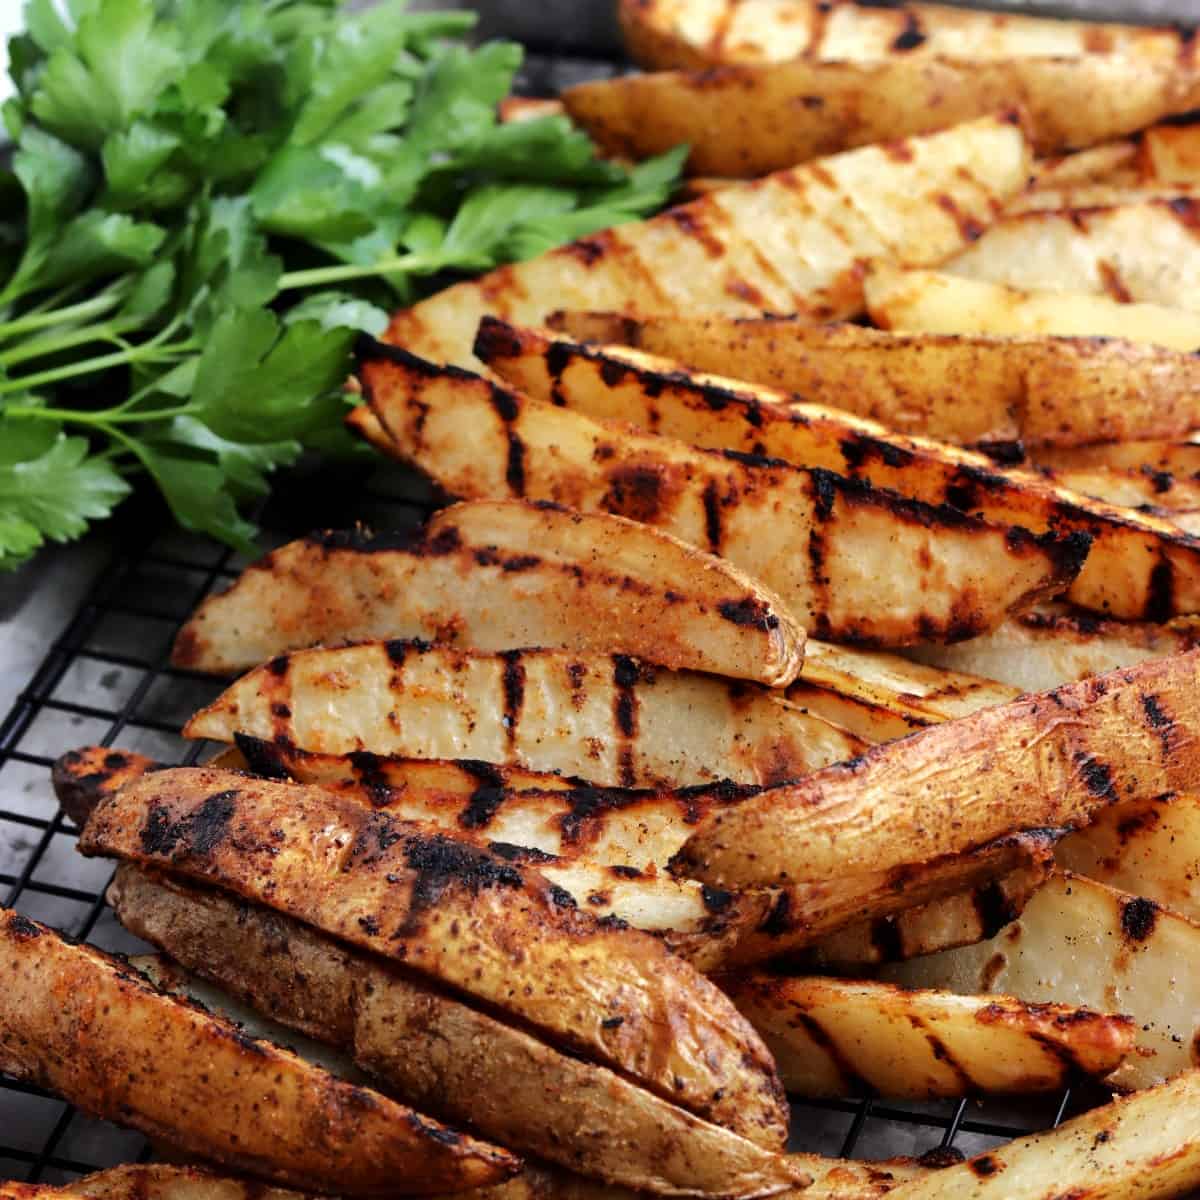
column 933, row 302
column 959, row 919
column 806, row 913
column 1139, row 565
column 94, row 1030
column 749, row 119
column 606, row 718
column 1114, row 164
column 1149, row 847
column 1039, row 651
column 664, row 34
column 1147, row 253
column 883, row 696
column 833, row 1179
column 1043, row 391
column 1157, row 456
column 846, row 559
column 1171, row 154
column 837, row 1037
column 1095, row 195
column 1049, row 759
column 1079, row 942
column 1159, row 491
column 792, row 242
column 698, row 923
column 436, row 1051
column 482, row 926
column 1137, row 1148
column 497, row 575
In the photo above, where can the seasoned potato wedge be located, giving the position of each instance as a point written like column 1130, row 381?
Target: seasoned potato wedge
column 1080, row 942
column 1138, row 566
column 838, row 1037
column 933, row 302
column 94, row 1030
column 82, row 777
column 805, row 913
column 750, row 119
column 1171, row 154
column 1147, row 253
column 1148, row 847
column 832, row 1179
column 498, row 575
column 1048, row 759
column 964, row 389
column 954, row 920
column 1157, row 456
column 1096, row 195
column 606, row 718
column 1137, row 1148
column 1159, row 490
column 851, row 563
column 681, row 33
column 1039, row 651
column 436, row 1051
column 793, row 242
column 883, row 696
column 1113, row 164
column 457, row 914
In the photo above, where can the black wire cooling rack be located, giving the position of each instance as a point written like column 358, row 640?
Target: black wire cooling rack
column 106, row 679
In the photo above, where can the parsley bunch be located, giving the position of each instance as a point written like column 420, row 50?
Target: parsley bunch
column 207, row 201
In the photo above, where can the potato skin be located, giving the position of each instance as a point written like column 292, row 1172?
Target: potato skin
column 93, row 1029
column 746, row 120
column 434, row 1051
column 452, row 912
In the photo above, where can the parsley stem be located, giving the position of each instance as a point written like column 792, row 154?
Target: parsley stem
column 106, row 420
column 102, row 362
column 51, row 345
column 95, row 307
column 316, row 276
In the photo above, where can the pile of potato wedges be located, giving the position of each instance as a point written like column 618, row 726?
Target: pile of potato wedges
column 798, row 695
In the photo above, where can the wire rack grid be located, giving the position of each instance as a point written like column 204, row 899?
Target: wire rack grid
column 107, row 679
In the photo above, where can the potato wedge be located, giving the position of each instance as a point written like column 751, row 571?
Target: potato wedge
column 963, row 388
column 498, row 575
column 959, row 919
column 838, row 1037
column 1049, row 759
column 1113, row 164
column 833, row 1179
column 1157, row 491
column 663, row 34
column 749, row 119
column 1137, row 1148
column 434, row 1050
column 933, row 302
column 1172, row 457
column 1144, row 253
column 698, row 923
column 846, row 559
column 1039, row 651
column 1171, row 154
column 606, row 718
column 1079, row 942
column 793, row 242
column 1148, row 847
column 1096, row 195
column 456, row 914
column 1138, row 566
column 92, row 1029
column 883, row 696
column 805, row 913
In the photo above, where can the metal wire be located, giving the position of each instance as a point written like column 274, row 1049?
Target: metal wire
column 107, row 678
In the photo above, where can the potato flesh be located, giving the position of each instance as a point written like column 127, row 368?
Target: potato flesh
column 932, row 302
column 850, row 563
column 1079, row 942
column 1036, row 652
column 793, row 242
column 833, row 1037
column 606, row 719
column 1171, row 154
column 499, row 576
column 1143, row 253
